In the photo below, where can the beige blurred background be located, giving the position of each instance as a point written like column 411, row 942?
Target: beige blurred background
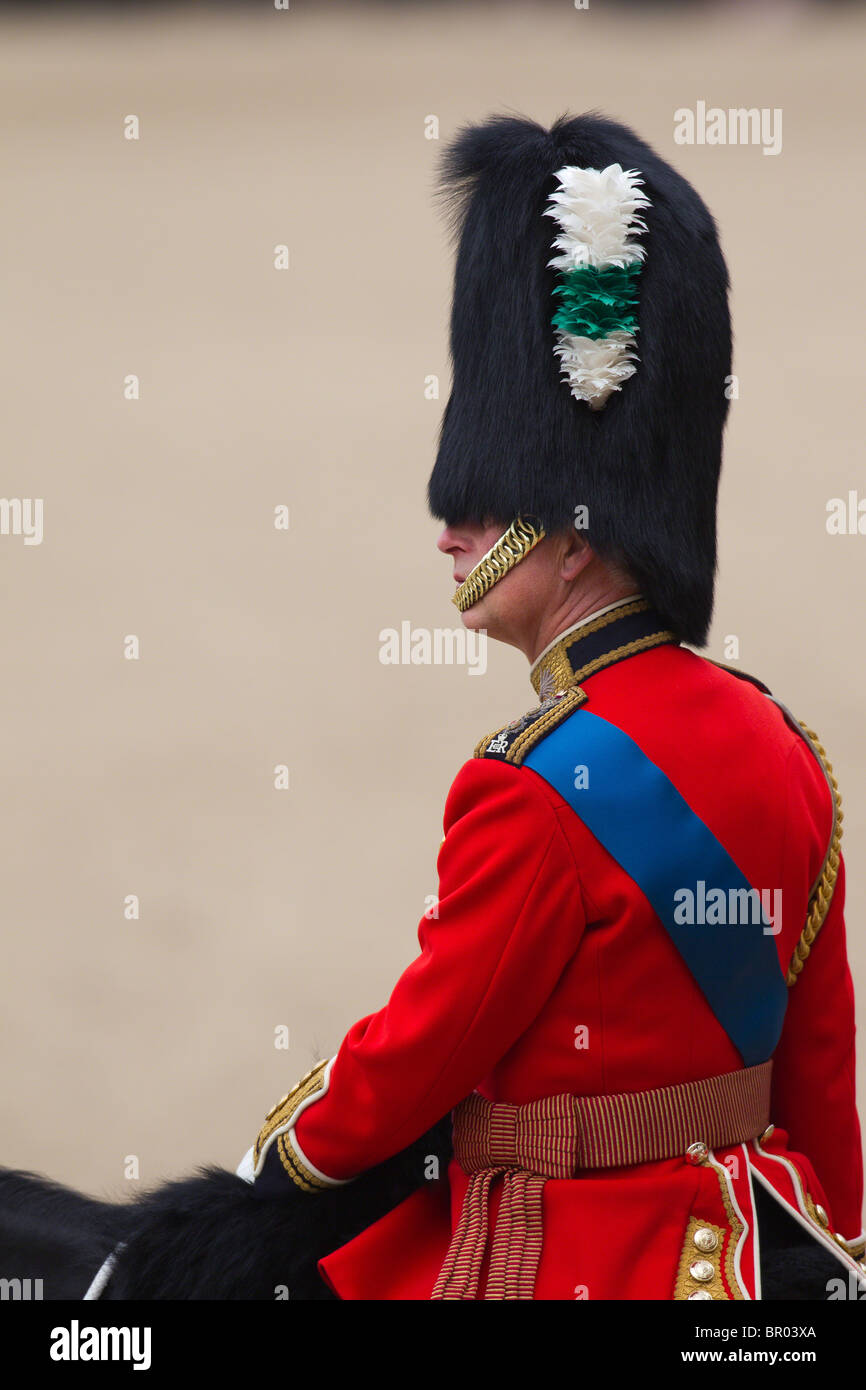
column 260, row 908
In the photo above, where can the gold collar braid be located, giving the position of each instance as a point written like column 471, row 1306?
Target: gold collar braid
column 509, row 550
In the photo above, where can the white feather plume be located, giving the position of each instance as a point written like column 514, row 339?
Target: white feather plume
column 598, row 213
column 596, row 367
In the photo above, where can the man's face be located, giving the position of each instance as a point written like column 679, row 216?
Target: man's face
column 506, row 609
column 557, row 583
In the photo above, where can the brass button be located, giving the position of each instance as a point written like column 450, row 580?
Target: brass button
column 697, row 1153
column 822, row 1216
column 702, row 1270
column 706, row 1240
column 840, row 1240
column 768, row 1134
column 700, row 1293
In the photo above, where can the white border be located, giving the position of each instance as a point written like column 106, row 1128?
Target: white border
column 747, row 1226
column 802, row 1216
column 857, row 1240
column 96, row 1288
column 759, row 1292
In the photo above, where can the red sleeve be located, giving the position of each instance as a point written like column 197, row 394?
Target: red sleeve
column 510, row 917
column 813, row 1071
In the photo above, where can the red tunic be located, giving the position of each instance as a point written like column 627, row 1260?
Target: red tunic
column 547, row 971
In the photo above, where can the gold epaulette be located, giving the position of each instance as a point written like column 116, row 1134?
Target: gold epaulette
column 513, row 741
column 822, row 890
column 278, row 1122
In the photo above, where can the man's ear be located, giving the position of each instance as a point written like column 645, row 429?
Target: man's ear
column 575, row 554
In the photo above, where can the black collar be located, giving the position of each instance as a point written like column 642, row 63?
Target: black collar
column 610, row 637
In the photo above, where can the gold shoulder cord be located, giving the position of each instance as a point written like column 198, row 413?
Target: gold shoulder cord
column 822, row 892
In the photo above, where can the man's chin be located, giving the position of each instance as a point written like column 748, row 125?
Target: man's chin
column 473, row 618
column 481, row 617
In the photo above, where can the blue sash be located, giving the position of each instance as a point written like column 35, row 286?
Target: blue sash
column 640, row 818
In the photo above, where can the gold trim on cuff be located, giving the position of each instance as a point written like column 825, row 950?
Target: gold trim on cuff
column 298, row 1172
column 280, row 1115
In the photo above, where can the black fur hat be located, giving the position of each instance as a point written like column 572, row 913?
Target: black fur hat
column 514, row 439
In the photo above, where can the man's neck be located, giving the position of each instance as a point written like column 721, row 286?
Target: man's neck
column 590, row 605
column 580, row 622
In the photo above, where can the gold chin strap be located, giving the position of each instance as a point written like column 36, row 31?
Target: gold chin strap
column 509, row 550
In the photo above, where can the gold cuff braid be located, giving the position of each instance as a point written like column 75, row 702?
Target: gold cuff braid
column 822, row 893
column 509, row 550
column 279, row 1117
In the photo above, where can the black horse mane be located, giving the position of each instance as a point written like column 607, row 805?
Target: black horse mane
column 202, row 1237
